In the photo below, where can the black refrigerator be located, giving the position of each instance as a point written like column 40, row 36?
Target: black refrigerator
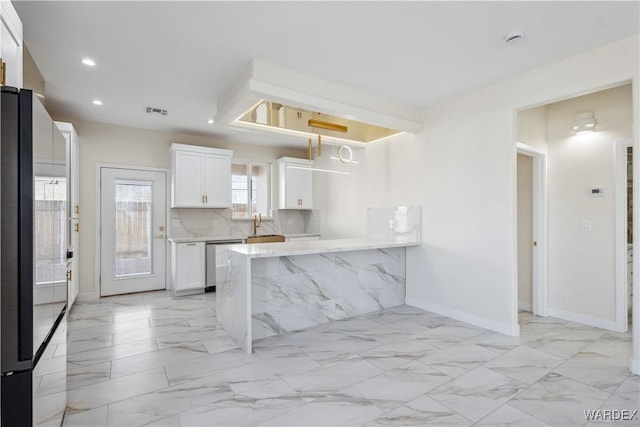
column 33, row 282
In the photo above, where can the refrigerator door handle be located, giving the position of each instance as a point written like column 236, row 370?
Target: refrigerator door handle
column 25, row 274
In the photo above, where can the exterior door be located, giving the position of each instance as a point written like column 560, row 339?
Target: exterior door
column 132, row 230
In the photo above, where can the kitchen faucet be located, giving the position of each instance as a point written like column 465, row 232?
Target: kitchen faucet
column 257, row 219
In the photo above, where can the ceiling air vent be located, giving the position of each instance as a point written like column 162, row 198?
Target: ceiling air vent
column 153, row 110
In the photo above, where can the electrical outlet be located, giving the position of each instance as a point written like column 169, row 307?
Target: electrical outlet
column 290, row 221
column 586, row 225
column 214, row 223
column 175, row 223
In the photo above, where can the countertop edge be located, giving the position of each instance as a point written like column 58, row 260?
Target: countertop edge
column 219, row 238
column 269, row 250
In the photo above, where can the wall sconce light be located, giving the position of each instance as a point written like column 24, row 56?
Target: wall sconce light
column 345, row 155
column 585, row 122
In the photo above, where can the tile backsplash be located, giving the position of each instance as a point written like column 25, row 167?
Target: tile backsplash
column 395, row 223
column 218, row 222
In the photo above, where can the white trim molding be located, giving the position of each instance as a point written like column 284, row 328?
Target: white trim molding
column 540, row 304
column 472, row 319
column 620, row 157
column 584, row 319
column 98, row 222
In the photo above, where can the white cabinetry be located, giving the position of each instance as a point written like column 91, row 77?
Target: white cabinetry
column 187, row 267
column 295, row 183
column 73, row 206
column 11, row 44
column 200, row 177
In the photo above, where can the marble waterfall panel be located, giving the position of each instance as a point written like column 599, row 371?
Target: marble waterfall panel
column 399, row 223
column 296, row 292
column 233, row 301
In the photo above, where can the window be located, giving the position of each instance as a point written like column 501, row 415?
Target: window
column 250, row 189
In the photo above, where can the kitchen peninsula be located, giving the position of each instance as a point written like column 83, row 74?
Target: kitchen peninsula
column 268, row 289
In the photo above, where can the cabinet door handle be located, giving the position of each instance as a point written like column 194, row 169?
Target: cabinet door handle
column 206, row 198
column 203, row 198
column 3, row 72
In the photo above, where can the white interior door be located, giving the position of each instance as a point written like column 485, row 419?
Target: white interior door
column 132, row 233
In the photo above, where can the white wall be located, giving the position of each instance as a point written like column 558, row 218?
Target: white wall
column 111, row 144
column 532, row 127
column 582, row 262
column 462, row 171
column 344, row 199
column 525, row 231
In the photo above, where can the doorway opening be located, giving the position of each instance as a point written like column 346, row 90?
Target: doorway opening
column 624, row 233
column 531, row 230
column 132, row 230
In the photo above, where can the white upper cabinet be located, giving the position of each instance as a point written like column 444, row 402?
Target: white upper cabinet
column 11, row 44
column 200, row 177
column 295, row 183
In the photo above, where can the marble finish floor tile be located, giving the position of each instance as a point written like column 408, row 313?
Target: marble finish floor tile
column 422, row 411
column 334, row 376
column 477, row 393
column 327, row 412
column 92, row 418
column 525, row 364
column 594, row 369
column 159, row 360
column 506, row 416
column 559, row 401
column 107, row 392
column 399, row 385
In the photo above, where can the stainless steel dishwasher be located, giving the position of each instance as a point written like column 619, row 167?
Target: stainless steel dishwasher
column 214, row 264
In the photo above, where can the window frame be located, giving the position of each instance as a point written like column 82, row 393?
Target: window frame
column 250, row 164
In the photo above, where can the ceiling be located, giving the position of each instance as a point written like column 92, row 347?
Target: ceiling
column 182, row 56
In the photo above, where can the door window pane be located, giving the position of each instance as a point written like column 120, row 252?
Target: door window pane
column 133, row 228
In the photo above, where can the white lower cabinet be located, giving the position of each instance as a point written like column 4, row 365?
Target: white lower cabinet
column 187, row 268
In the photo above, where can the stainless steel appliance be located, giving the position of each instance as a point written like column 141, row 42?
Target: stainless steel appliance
column 33, row 261
column 213, row 263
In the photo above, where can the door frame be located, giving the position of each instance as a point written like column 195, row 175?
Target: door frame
column 539, row 264
column 98, row 220
column 620, row 162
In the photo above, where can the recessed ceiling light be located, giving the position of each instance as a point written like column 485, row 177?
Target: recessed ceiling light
column 210, row 121
column 89, row 62
column 96, row 102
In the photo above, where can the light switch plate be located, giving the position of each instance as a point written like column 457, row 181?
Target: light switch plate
column 175, row 223
column 214, row 223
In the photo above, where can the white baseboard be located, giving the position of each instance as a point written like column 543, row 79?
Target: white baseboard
column 525, row 306
column 87, row 296
column 511, row 330
column 634, row 366
column 597, row 322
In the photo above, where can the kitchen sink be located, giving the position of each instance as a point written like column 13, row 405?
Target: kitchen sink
column 265, row 238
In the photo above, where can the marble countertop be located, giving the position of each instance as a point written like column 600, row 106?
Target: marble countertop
column 228, row 237
column 204, row 239
column 305, row 247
